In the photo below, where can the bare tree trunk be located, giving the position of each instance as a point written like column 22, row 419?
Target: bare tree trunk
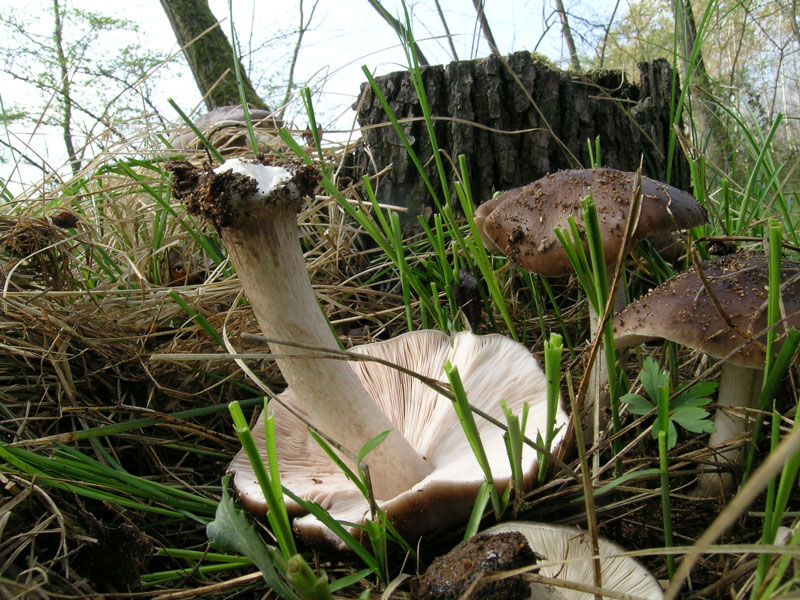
column 574, row 63
column 64, row 91
column 210, row 57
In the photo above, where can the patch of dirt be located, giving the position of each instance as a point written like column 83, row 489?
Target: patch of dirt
column 452, row 574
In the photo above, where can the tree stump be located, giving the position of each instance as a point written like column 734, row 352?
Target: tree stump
column 515, row 119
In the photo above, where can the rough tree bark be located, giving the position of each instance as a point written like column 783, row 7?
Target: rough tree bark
column 485, row 113
column 210, row 57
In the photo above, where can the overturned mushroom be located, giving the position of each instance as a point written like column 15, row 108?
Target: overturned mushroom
column 423, row 473
column 727, row 321
column 565, row 554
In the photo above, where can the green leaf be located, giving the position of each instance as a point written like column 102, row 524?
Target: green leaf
column 372, row 444
column 683, row 402
column 697, row 395
column 638, row 405
column 694, row 419
column 672, row 435
column 689, row 413
column 231, row 531
column 653, row 377
column 684, row 409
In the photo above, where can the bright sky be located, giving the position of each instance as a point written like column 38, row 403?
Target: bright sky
column 344, row 35
column 347, row 34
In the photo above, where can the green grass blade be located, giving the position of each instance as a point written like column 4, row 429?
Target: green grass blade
column 467, row 420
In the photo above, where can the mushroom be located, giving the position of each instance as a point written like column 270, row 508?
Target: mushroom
column 730, row 327
column 423, row 473
column 491, row 367
column 521, row 222
column 566, row 556
column 226, row 128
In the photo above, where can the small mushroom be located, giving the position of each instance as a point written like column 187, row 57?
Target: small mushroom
column 730, row 327
column 566, row 556
column 423, row 473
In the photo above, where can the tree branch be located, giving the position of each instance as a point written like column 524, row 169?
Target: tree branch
column 304, row 25
column 446, row 29
column 487, row 31
column 64, row 91
column 574, row 63
column 400, row 30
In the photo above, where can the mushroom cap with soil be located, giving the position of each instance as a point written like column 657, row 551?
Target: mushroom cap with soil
column 566, row 555
column 681, row 310
column 520, row 222
column 253, row 205
column 491, row 367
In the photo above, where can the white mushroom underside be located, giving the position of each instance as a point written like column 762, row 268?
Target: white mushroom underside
column 567, row 551
column 491, row 367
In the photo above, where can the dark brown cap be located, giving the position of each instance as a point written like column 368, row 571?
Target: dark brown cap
column 520, row 222
column 681, row 310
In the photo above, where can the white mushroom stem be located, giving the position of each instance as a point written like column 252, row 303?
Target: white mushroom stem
column 739, row 388
column 262, row 242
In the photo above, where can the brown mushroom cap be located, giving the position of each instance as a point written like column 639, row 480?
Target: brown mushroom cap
column 681, row 310
column 520, row 222
column 491, row 367
column 225, row 127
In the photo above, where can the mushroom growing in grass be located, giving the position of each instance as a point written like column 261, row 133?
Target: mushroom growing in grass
column 423, row 473
column 521, row 222
column 226, row 128
column 730, row 326
column 491, row 367
column 566, row 557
